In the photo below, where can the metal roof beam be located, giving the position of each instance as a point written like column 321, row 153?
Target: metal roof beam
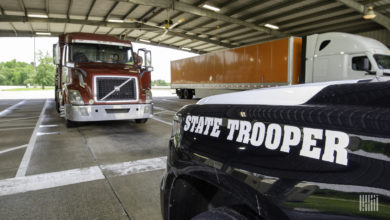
column 107, row 24
column 233, row 12
column 380, row 18
column 196, row 17
column 90, row 9
column 14, row 29
column 21, row 3
column 154, row 14
column 146, row 14
column 2, row 10
column 383, row 8
column 110, row 11
column 129, row 12
column 68, row 11
column 184, row 7
column 198, row 3
column 47, row 6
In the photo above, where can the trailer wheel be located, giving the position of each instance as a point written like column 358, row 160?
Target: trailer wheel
column 187, row 94
column 141, row 121
column 179, row 93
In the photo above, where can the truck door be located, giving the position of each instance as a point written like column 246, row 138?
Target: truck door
column 359, row 66
column 145, row 65
column 330, row 68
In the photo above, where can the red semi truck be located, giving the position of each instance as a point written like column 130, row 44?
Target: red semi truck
column 99, row 78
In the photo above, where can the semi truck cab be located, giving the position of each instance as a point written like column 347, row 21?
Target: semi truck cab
column 339, row 56
column 100, row 78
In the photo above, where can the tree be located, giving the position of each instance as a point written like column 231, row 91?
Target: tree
column 160, row 82
column 14, row 72
column 45, row 71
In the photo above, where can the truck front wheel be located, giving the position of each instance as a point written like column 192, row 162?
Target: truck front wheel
column 70, row 124
column 141, row 121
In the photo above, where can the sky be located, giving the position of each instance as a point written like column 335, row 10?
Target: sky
column 22, row 49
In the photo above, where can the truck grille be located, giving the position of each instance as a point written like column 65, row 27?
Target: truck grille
column 115, row 89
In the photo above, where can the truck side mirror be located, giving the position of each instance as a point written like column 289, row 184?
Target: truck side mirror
column 145, row 59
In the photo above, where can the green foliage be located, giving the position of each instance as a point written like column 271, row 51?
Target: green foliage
column 160, row 82
column 14, row 72
column 45, row 71
column 21, row 73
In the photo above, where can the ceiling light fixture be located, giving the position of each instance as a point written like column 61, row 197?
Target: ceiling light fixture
column 43, row 33
column 271, row 26
column 212, row 8
column 369, row 13
column 115, row 20
column 143, row 40
column 37, row 16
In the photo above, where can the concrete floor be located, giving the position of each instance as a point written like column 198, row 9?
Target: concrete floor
column 99, row 170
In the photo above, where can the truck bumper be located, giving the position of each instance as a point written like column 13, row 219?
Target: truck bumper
column 108, row 112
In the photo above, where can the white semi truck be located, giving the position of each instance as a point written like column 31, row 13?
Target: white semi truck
column 293, row 60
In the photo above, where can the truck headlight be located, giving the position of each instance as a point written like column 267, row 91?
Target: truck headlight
column 75, row 97
column 149, row 97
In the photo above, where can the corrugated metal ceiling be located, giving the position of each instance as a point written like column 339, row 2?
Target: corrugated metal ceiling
column 192, row 27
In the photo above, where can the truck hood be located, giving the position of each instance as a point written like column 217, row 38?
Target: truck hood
column 279, row 96
column 106, row 68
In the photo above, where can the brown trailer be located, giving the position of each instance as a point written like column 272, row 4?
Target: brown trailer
column 266, row 64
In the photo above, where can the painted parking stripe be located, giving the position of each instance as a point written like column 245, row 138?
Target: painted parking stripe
column 163, row 109
column 49, row 180
column 138, row 166
column 31, row 144
column 62, row 178
column 11, row 108
column 162, row 121
column 12, row 149
column 12, row 129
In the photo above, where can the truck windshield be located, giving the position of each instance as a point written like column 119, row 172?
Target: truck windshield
column 99, row 53
column 383, row 61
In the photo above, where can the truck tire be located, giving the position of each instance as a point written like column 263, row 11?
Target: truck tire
column 57, row 106
column 220, row 213
column 187, row 94
column 70, row 124
column 179, row 93
column 141, row 121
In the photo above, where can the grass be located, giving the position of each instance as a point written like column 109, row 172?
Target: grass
column 29, row 89
column 339, row 206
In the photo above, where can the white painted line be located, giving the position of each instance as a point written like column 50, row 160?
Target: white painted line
column 62, row 178
column 11, row 108
column 162, row 121
column 13, row 148
column 138, row 166
column 11, row 129
column 31, row 144
column 49, row 180
column 163, row 112
column 48, row 126
column 47, row 133
column 163, row 109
